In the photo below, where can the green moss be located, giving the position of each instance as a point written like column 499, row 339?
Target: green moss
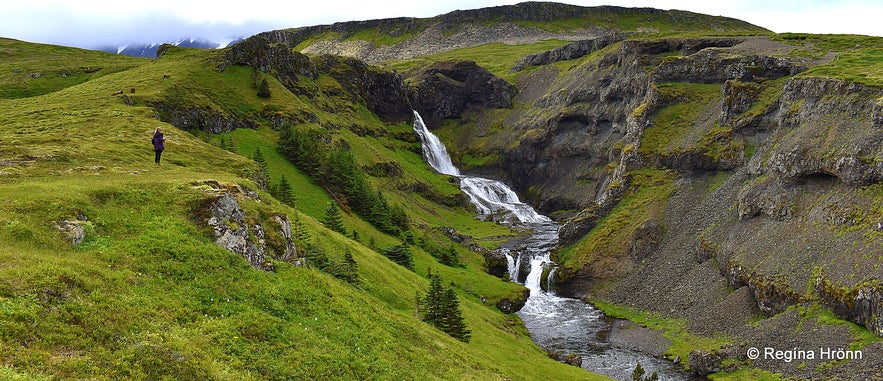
column 607, row 241
column 672, row 123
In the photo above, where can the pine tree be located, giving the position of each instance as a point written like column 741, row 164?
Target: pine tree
column 317, row 258
column 450, row 256
column 441, row 308
column 224, row 144
column 348, row 270
column 259, row 158
column 432, row 302
column 452, row 318
column 231, row 145
column 264, row 89
column 400, row 254
column 334, row 219
column 283, row 191
column 300, row 232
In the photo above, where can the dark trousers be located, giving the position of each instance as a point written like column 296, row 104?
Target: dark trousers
column 158, row 154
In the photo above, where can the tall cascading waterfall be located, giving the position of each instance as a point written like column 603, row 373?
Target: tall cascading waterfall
column 557, row 324
column 494, row 200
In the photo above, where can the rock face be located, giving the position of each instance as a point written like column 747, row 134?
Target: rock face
column 384, row 92
column 257, row 52
column 570, row 51
column 447, row 89
column 256, row 241
column 199, row 118
column 234, row 234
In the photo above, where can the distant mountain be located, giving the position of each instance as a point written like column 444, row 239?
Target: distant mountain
column 149, row 49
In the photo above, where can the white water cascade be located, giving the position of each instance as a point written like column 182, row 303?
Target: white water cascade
column 555, row 323
column 493, row 199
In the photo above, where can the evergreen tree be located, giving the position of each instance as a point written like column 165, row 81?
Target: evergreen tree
column 400, row 254
column 380, row 214
column 452, row 318
column 283, row 191
column 450, row 256
column 441, row 308
column 231, row 145
column 334, row 219
column 399, row 218
column 348, row 270
column 432, row 302
column 264, row 89
column 259, row 158
column 300, row 232
column 317, row 258
column 224, row 143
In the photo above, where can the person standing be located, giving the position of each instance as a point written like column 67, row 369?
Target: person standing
column 158, row 144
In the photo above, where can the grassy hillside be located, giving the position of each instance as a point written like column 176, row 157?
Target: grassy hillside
column 148, row 295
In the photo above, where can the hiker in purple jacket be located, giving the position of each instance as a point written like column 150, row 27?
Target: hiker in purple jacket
column 158, row 143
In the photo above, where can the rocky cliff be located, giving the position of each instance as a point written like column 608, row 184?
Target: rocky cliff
column 713, row 179
column 376, row 41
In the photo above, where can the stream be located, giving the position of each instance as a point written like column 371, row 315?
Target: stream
column 561, row 325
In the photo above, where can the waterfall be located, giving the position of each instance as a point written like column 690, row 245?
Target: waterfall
column 434, row 151
column 555, row 323
column 492, row 199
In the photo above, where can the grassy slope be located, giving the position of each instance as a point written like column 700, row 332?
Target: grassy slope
column 149, row 296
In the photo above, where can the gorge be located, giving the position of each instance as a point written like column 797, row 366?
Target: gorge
column 711, row 186
column 562, row 326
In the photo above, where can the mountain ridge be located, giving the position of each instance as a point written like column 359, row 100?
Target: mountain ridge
column 509, row 24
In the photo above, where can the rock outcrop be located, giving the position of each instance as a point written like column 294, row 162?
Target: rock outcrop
column 258, row 242
column 447, row 89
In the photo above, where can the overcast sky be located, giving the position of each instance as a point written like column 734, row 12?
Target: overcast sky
column 100, row 23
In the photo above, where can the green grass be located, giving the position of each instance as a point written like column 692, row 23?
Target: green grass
column 29, row 69
column 498, row 58
column 148, row 295
column 858, row 58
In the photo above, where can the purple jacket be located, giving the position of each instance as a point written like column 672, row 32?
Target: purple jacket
column 158, row 140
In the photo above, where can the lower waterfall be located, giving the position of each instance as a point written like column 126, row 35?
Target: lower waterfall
column 559, row 325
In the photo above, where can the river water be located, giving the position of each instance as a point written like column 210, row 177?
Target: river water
column 562, row 325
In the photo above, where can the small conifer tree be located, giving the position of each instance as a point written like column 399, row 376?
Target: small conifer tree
column 452, row 318
column 264, row 89
column 283, row 191
column 334, row 219
column 259, row 158
column 432, row 302
column 441, row 308
column 348, row 270
column 400, row 254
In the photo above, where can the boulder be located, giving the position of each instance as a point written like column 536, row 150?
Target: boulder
column 704, row 363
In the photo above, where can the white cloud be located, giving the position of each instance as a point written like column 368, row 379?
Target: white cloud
column 116, row 22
